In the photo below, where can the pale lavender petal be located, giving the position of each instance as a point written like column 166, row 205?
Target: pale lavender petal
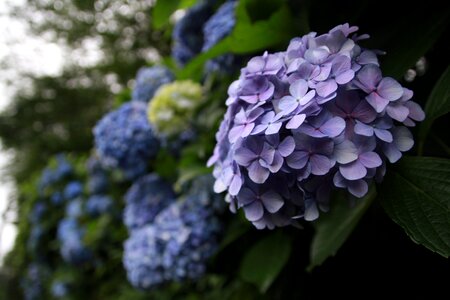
column 390, row 89
column 353, row 171
column 245, row 196
column 244, row 156
column 358, row 188
column 256, row 64
column 259, row 128
column 320, row 164
column 345, row 152
column 235, row 185
column 273, row 128
column 297, row 159
column 364, row 112
column 277, row 163
column 384, row 135
column 370, row 159
column 311, row 211
column 305, row 99
column 272, row 201
column 403, row 138
column 219, row 186
column 299, row 88
column 333, row 127
column 415, row 111
column 325, row 71
column 267, row 93
column 391, row 152
column 267, row 154
column 257, row 173
column 311, row 131
column 235, row 133
column 363, row 129
column 339, row 181
column 326, row 88
column 317, row 56
column 288, row 104
column 254, row 114
column 254, row 211
column 296, row 121
column 369, row 76
column 377, row 102
column 367, row 57
column 247, row 129
column 287, row 146
column 345, row 77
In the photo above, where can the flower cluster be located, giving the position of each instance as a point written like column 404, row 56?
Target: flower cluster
column 172, row 108
column 148, row 196
column 70, row 235
column 148, row 80
column 186, row 35
column 59, row 289
column 98, row 178
column 124, row 139
column 73, row 190
column 301, row 122
column 33, row 281
column 175, row 247
column 54, row 174
column 215, row 29
column 97, row 205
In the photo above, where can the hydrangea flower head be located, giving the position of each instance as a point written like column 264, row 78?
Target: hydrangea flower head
column 97, row 205
column 148, row 80
column 215, row 29
column 175, row 247
column 33, row 282
column 187, row 34
column 124, row 139
column 73, row 190
column 59, row 289
column 302, row 122
column 148, row 196
column 172, row 108
column 70, row 235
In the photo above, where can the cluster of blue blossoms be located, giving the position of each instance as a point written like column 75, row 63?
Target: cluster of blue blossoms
column 70, row 234
column 175, row 245
column 59, row 289
column 148, row 80
column 33, row 281
column 124, row 139
column 50, row 175
column 299, row 123
column 199, row 30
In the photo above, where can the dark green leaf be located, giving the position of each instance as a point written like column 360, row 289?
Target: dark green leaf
column 334, row 227
column 265, row 260
column 416, row 195
column 410, row 42
column 438, row 104
column 162, row 11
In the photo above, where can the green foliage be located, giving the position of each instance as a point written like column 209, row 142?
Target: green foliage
column 264, row 261
column 162, row 12
column 416, row 195
column 333, row 228
column 438, row 104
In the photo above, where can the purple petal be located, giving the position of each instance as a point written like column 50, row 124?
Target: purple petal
column 257, row 173
column 390, row 89
column 363, row 129
column 364, row 112
column 254, row 114
column 299, row 88
column 277, row 163
column 256, row 64
column 353, row 171
column 377, row 102
column 288, row 104
column 358, row 188
column 370, row 159
column 397, row 112
column 287, row 146
column 259, row 128
column 326, row 88
column 403, row 139
column 316, row 56
column 235, row 133
column 297, row 159
column 415, row 111
column 339, row 181
column 235, row 185
column 272, row 201
column 254, row 211
column 369, row 76
column 247, row 129
column 296, row 121
column 267, row 153
column 311, row 211
column 391, row 152
column 324, row 74
column 311, row 131
column 333, row 127
column 345, row 77
column 367, row 57
column 245, row 196
column 384, row 135
column 305, row 99
column 267, row 93
column 244, row 157
column 320, row 164
column 273, row 128
column 345, row 152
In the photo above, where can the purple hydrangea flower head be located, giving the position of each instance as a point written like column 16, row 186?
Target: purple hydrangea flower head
column 70, row 235
column 97, row 205
column 124, row 139
column 148, row 196
column 305, row 121
column 175, row 247
column 187, row 34
column 73, row 190
column 148, row 80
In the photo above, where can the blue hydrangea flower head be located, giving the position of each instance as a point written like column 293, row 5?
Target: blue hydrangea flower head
column 124, row 139
column 70, row 235
column 59, row 289
column 73, row 190
column 37, row 212
column 33, row 282
column 148, row 80
column 175, row 247
column 57, row 198
column 187, row 34
column 74, row 208
column 53, row 174
column 302, row 122
column 97, row 182
column 97, row 205
column 217, row 27
column 145, row 199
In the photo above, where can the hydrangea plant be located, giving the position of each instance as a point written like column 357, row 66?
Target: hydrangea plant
column 307, row 120
column 148, row 80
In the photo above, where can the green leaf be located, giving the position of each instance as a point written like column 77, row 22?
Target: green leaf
column 334, row 227
column 416, row 195
column 403, row 51
column 162, row 11
column 438, row 104
column 265, row 260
